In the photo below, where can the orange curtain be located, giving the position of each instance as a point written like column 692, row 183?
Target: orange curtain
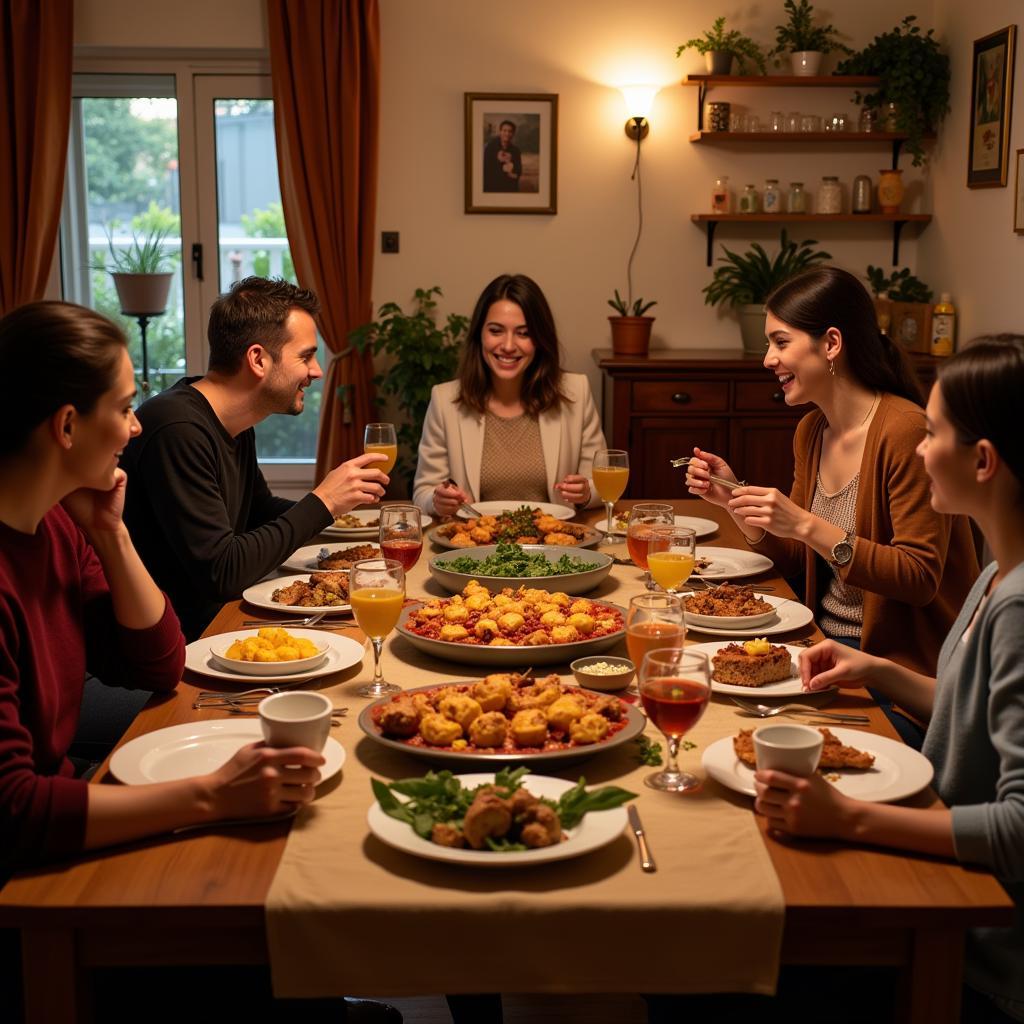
column 325, row 65
column 35, row 115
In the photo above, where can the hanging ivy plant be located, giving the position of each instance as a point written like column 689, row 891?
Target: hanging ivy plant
column 914, row 75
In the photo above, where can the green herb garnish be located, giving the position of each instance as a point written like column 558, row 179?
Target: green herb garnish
column 649, row 753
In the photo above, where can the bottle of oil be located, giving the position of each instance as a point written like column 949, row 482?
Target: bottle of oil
column 943, row 326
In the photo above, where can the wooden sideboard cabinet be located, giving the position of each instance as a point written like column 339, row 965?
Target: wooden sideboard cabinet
column 660, row 406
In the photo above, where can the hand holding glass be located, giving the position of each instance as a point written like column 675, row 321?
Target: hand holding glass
column 675, row 686
column 671, row 556
column 377, row 593
column 381, row 439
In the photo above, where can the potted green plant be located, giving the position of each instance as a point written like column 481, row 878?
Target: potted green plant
column 745, row 281
column 914, row 86
column 719, row 47
column 141, row 271
column 631, row 330
column 805, row 42
column 903, row 304
column 421, row 354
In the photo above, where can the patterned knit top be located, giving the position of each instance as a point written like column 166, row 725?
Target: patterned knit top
column 842, row 607
column 512, row 462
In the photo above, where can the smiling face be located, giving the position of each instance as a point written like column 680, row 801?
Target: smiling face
column 101, row 435
column 950, row 465
column 798, row 361
column 505, row 340
column 295, row 367
column 505, row 134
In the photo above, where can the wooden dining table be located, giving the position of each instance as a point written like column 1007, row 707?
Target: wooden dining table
column 199, row 897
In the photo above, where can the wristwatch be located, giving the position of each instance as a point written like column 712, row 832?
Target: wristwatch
column 842, row 552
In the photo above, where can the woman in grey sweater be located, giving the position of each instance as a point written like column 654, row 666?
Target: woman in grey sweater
column 974, row 455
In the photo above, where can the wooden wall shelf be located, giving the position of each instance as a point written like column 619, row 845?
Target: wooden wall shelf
column 784, row 81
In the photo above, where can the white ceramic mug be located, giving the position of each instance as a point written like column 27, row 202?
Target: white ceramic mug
column 298, row 718
column 795, row 749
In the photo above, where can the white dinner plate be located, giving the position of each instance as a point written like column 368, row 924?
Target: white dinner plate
column 784, row 688
column 731, row 563
column 598, row 828
column 495, row 508
column 198, row 748
column 342, row 652
column 366, row 515
column 899, row 771
column 701, row 527
column 789, row 614
column 261, row 595
column 305, row 559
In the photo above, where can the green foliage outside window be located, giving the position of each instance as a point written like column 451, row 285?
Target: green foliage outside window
column 268, row 223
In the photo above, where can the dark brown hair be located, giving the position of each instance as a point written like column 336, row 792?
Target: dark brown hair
column 828, row 297
column 254, row 312
column 542, row 381
column 53, row 354
column 981, row 389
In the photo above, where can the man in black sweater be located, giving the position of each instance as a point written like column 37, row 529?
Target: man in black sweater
column 198, row 508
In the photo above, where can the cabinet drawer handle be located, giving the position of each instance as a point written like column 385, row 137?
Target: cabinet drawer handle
column 682, row 397
column 778, row 396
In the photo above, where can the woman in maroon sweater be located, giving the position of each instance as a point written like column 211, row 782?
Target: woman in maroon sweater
column 75, row 596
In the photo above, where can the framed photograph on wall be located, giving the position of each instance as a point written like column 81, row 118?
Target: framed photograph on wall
column 988, row 148
column 1018, row 193
column 511, row 152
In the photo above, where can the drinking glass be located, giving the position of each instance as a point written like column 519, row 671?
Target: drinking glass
column 642, row 518
column 653, row 621
column 611, row 474
column 675, row 686
column 381, row 438
column 401, row 534
column 377, row 593
column 671, row 556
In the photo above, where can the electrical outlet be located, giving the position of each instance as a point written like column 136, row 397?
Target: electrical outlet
column 389, row 241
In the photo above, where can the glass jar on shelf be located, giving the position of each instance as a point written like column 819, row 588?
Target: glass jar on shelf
column 796, row 199
column 772, row 196
column 750, row 200
column 830, row 195
column 793, row 121
column 776, row 121
column 721, row 198
column 862, row 189
column 868, row 120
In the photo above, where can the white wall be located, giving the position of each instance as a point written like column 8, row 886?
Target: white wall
column 971, row 250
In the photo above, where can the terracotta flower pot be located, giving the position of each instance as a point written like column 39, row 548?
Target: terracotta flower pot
column 142, row 294
column 890, row 190
column 631, row 335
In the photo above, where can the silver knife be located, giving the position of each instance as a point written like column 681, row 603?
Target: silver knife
column 646, row 860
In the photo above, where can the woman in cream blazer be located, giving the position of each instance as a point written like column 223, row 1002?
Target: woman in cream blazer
column 510, row 368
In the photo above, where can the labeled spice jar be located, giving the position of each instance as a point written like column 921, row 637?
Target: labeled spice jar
column 862, row 194
column 750, row 200
column 716, row 116
column 830, row 196
column 772, row 196
column 890, row 190
column 796, row 200
column 721, row 198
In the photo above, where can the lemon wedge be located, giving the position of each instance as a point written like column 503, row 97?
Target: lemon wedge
column 759, row 646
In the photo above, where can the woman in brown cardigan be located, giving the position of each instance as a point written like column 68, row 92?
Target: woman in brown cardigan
column 884, row 572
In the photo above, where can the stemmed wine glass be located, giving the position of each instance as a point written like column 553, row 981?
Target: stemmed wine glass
column 381, row 439
column 401, row 534
column 377, row 593
column 643, row 517
column 675, row 685
column 611, row 474
column 671, row 556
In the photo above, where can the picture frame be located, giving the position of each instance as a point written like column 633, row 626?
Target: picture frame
column 988, row 147
column 511, row 152
column 1018, row 193
column 911, row 325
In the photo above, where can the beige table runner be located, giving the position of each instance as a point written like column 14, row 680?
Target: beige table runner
column 346, row 913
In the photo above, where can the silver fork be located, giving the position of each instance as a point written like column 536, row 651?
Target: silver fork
column 731, row 484
column 309, row 620
column 764, row 711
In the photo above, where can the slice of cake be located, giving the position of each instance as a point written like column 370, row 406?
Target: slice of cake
column 753, row 663
column 834, row 754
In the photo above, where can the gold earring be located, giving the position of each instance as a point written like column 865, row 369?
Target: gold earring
column 831, row 368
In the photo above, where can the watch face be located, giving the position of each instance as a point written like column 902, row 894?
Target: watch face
column 842, row 552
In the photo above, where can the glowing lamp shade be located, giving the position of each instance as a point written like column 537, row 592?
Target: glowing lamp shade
column 639, row 100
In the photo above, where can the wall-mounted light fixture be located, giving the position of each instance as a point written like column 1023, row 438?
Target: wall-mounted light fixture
column 639, row 99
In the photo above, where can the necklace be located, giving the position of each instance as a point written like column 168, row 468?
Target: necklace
column 867, row 415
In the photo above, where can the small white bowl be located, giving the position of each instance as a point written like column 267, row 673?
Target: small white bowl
column 597, row 681
column 219, row 649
